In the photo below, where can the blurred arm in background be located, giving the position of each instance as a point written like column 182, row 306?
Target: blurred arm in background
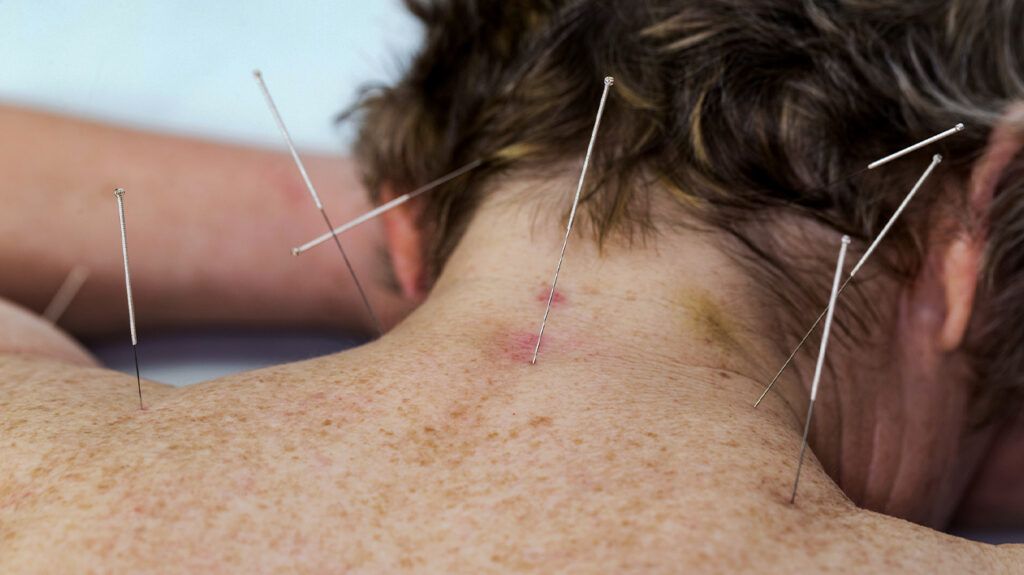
column 210, row 227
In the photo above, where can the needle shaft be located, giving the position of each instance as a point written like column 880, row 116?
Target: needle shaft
column 119, row 194
column 879, row 163
column 936, row 160
column 387, row 207
column 316, row 197
column 572, row 214
column 821, row 359
column 66, row 293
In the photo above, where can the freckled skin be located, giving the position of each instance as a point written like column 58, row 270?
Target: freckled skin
column 435, row 450
column 329, row 466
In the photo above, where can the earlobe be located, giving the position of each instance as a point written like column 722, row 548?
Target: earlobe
column 959, row 277
column 405, row 246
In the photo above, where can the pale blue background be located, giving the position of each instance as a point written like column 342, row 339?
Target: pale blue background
column 185, row 66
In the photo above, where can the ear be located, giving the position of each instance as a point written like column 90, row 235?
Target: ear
column 405, row 241
column 962, row 257
column 960, row 264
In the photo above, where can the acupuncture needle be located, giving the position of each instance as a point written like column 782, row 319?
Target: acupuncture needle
column 895, row 156
column 936, row 160
column 572, row 214
column 924, row 143
column 316, row 197
column 119, row 194
column 66, row 293
column 388, row 206
column 821, row 359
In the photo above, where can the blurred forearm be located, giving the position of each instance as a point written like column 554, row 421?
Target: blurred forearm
column 209, row 229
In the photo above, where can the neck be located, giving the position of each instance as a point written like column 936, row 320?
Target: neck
column 675, row 304
column 674, row 318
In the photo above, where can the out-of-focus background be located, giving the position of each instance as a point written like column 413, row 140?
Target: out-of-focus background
column 185, row 67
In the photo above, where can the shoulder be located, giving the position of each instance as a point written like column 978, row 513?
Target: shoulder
column 49, row 406
column 51, row 389
column 321, row 448
column 50, row 385
column 25, row 333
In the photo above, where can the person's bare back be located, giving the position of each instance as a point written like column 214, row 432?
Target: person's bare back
column 321, row 467
column 440, row 448
column 632, row 445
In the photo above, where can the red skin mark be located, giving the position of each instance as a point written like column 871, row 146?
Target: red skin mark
column 557, row 300
column 518, row 346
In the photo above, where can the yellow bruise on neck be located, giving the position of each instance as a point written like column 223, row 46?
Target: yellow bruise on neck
column 706, row 320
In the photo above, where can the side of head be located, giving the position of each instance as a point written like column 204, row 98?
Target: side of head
column 742, row 113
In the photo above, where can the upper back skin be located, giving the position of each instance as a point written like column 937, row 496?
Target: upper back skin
column 376, row 462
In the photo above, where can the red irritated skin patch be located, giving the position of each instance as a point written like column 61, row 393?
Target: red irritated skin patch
column 518, row 346
column 556, row 301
